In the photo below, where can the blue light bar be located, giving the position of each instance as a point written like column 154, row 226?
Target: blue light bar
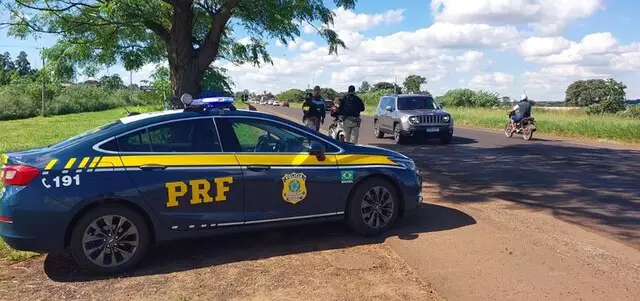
column 222, row 102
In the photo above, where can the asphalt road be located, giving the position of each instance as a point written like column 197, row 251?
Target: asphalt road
column 594, row 185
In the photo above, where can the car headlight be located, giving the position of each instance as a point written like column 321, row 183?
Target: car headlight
column 413, row 119
column 407, row 163
column 446, row 118
column 404, row 118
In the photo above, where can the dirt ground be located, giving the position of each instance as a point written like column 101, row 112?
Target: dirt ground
column 320, row 262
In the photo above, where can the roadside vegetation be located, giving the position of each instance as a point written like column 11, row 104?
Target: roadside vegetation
column 593, row 109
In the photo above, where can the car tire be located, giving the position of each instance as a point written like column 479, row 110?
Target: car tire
column 376, row 130
column 397, row 135
column 124, row 221
column 446, row 138
column 374, row 195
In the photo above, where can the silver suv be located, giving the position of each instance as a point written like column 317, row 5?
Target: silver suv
column 412, row 115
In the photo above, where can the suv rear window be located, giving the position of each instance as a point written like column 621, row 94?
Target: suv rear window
column 417, row 103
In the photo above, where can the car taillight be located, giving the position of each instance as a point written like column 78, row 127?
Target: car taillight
column 18, row 175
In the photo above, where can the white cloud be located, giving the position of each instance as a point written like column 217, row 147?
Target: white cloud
column 245, row 41
column 593, row 49
column 496, row 81
column 546, row 16
column 307, row 28
column 537, row 46
column 469, row 60
column 302, row 45
column 348, row 20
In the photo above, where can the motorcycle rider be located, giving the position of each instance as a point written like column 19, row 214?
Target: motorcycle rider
column 314, row 110
column 349, row 111
column 522, row 110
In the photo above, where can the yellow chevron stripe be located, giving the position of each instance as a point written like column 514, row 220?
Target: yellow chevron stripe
column 84, row 162
column 94, row 162
column 4, row 159
column 51, row 164
column 110, row 161
column 70, row 163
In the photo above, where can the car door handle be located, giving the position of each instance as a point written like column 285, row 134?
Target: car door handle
column 258, row 167
column 153, row 167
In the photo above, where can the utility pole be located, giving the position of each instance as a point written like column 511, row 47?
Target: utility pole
column 43, row 85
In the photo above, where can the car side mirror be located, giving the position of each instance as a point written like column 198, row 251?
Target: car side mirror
column 317, row 149
column 388, row 108
column 441, row 106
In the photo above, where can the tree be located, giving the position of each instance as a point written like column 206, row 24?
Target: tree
column 328, row 93
column 112, row 83
column 386, row 86
column 22, row 64
column 296, row 95
column 598, row 95
column 364, row 87
column 6, row 63
column 413, row 82
column 190, row 34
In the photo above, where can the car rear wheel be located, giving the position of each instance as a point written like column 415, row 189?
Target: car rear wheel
column 376, row 130
column 373, row 207
column 109, row 239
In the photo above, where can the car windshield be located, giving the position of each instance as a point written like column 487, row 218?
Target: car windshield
column 416, row 103
column 85, row 134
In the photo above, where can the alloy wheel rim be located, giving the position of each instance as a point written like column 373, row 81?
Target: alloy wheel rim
column 110, row 241
column 377, row 207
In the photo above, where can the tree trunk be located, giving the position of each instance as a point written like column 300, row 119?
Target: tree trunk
column 184, row 79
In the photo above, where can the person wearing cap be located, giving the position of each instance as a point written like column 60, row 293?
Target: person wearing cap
column 314, row 110
column 522, row 110
column 349, row 111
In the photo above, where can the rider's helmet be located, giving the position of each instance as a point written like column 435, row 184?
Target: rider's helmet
column 524, row 97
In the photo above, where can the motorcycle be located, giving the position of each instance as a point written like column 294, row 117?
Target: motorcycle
column 526, row 127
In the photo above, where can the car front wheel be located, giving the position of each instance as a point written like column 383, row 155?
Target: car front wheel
column 397, row 135
column 376, row 130
column 109, row 239
column 373, row 207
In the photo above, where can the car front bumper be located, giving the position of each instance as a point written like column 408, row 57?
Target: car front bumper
column 425, row 130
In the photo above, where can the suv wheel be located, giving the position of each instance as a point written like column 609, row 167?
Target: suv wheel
column 397, row 135
column 109, row 239
column 376, row 130
column 373, row 207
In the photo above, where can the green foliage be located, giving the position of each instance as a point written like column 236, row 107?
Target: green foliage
column 598, row 95
column 216, row 79
column 386, row 86
column 189, row 35
column 23, row 67
column 296, row 94
column 469, row 98
column 364, row 87
column 372, row 98
column 413, row 82
column 111, row 83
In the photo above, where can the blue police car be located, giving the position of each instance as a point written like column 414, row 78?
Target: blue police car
column 107, row 195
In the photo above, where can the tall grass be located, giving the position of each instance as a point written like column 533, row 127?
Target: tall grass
column 570, row 123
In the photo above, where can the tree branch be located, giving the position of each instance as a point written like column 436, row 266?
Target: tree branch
column 158, row 29
column 59, row 10
column 211, row 45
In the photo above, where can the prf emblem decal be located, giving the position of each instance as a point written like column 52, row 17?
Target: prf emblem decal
column 294, row 189
column 346, row 176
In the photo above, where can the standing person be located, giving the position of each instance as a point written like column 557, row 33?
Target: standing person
column 350, row 108
column 314, row 110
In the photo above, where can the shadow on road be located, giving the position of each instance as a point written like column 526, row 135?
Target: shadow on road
column 436, row 141
column 594, row 187
column 201, row 253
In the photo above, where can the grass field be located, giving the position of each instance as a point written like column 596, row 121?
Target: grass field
column 561, row 123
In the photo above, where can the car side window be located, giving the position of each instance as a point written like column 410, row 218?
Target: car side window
column 383, row 103
column 262, row 136
column 186, row 136
column 392, row 103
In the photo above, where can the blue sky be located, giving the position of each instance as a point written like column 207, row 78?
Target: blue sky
column 537, row 46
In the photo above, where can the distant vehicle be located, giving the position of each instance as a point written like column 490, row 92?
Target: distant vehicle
column 263, row 102
column 270, row 102
column 285, row 104
column 526, row 127
column 412, row 115
column 276, row 103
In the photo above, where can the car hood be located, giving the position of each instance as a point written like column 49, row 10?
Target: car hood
column 373, row 150
column 423, row 112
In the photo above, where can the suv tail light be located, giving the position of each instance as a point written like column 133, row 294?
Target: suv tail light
column 18, row 175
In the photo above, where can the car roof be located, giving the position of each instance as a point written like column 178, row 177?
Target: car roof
column 408, row 95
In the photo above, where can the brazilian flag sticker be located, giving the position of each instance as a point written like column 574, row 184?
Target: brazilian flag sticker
column 346, row 176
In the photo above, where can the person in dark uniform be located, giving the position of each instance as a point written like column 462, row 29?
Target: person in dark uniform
column 349, row 111
column 314, row 110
